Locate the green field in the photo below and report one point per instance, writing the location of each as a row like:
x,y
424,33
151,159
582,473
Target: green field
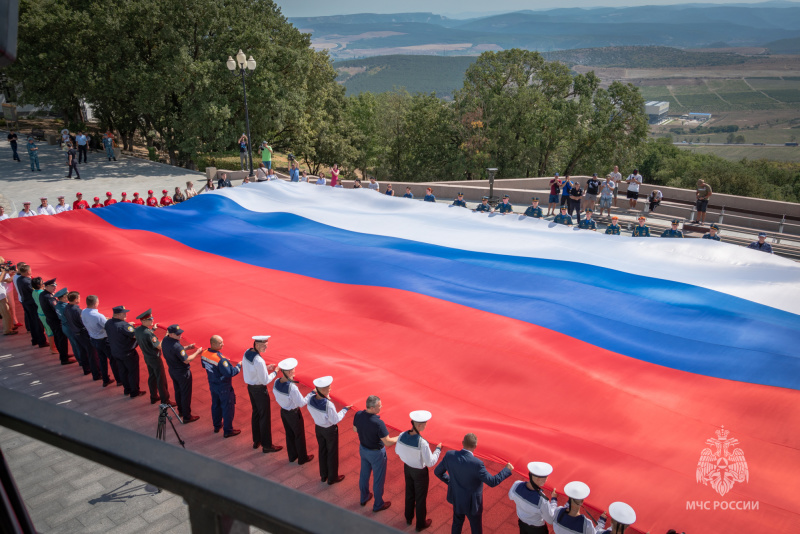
x,y
738,152
716,95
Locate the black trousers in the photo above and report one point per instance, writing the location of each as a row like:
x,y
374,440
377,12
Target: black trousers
x,y
81,152
34,324
260,420
157,379
60,339
128,367
90,356
105,359
525,528
182,384
328,441
574,205
295,435
72,167
417,482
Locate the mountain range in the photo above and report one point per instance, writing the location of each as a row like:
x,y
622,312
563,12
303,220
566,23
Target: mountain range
x,y
680,26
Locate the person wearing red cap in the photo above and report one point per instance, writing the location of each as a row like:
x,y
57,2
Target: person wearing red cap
x,y
97,203
80,204
109,200
151,200
125,197
166,200
137,200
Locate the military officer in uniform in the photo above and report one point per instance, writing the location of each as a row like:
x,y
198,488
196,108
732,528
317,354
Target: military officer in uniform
x,y
563,218
484,206
416,455
61,306
588,223
673,232
533,508
290,400
48,303
534,210
223,399
257,375
712,233
151,352
122,339
178,364
459,201
568,519
326,428
613,228
622,516
641,230
505,206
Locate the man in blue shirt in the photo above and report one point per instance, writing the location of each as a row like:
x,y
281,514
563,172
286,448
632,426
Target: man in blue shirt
x,y
83,143
534,210
566,189
712,233
563,218
294,173
588,223
408,194
459,201
373,439
505,206
429,195
484,205
761,244
33,154
673,232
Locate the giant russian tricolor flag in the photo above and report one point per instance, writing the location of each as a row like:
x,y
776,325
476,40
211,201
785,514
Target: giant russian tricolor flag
x,y
617,360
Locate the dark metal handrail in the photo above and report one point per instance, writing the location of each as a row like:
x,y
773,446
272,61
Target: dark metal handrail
x,y
221,498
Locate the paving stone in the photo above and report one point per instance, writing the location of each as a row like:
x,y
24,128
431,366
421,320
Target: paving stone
x,y
136,524
162,509
163,524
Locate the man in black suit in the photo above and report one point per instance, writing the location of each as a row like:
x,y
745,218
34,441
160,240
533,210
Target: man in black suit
x,y
465,476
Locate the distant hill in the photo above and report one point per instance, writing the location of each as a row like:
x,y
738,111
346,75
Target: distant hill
x,y
417,74
647,57
678,26
784,46
444,75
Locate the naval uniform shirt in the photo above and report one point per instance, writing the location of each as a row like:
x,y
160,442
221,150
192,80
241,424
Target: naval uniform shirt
x,y
287,395
532,508
323,412
415,452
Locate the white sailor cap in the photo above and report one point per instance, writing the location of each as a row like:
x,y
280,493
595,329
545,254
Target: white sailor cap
x,y
323,381
622,513
420,416
261,338
576,490
288,364
540,469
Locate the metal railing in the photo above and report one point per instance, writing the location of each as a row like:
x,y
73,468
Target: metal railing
x,y
221,498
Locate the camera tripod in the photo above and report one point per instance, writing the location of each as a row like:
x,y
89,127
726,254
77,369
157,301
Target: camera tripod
x,y
163,417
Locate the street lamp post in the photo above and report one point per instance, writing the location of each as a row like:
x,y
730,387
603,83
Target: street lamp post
x,y
245,67
491,172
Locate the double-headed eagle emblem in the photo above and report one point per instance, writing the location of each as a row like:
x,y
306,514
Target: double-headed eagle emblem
x,y
723,465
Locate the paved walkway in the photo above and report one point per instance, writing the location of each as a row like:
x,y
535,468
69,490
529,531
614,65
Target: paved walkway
x,y
129,174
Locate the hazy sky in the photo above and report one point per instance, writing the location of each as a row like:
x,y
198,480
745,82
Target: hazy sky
x,y
312,8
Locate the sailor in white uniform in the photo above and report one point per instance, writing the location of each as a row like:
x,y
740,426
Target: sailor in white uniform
x,y
257,375
291,400
568,518
61,207
533,508
326,428
417,457
45,208
622,516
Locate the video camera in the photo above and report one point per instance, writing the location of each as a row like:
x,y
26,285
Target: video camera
x,y
8,266
291,157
